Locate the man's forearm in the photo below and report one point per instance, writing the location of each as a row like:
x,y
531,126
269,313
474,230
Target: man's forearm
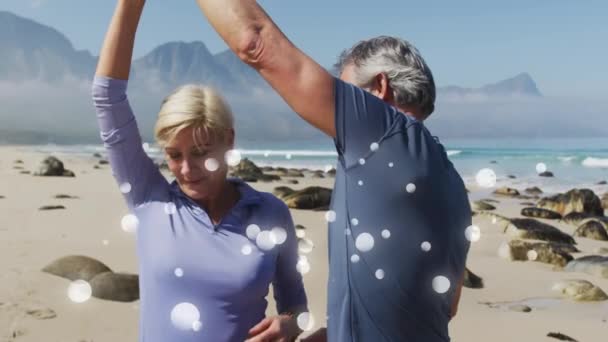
x,y
117,51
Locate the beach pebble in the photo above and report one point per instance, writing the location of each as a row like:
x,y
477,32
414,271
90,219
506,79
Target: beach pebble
x,y
471,280
596,265
527,228
64,196
579,290
541,213
576,200
75,267
561,337
553,253
533,190
482,205
546,174
51,207
520,308
41,313
506,191
309,198
593,229
52,166
119,287
282,191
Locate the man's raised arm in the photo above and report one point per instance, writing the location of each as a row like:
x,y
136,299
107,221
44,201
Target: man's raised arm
x,y
306,86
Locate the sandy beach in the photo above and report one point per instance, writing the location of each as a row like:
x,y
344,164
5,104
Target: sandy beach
x,y
34,306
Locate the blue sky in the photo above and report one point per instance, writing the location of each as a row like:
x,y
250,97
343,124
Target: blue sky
x,y
561,43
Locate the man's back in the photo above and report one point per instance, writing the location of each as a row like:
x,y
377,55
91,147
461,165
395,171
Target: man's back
x,y
397,247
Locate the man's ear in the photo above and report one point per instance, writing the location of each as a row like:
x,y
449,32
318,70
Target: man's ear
x,y
381,88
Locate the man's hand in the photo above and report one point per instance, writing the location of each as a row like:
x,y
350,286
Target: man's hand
x,y
318,336
282,328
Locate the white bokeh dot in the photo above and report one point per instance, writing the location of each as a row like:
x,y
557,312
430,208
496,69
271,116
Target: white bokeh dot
x,y
347,231
441,284
129,223
267,154
360,182
472,233
532,255
504,251
305,321
362,161
354,221
79,291
233,157
354,258
246,249
300,233
288,156
278,235
486,178
386,233
252,231
170,208
179,272
184,315
330,216
105,242
364,242
265,241
494,220
411,188
374,147
212,165
380,274
391,164
303,266
425,246
125,187
305,245
197,325
541,167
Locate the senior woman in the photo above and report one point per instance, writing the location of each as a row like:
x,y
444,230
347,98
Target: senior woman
x,y
208,247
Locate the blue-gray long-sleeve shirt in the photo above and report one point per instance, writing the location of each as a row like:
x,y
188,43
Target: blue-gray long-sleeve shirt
x,y
198,282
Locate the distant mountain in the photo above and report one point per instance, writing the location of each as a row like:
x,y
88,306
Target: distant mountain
x,y
31,51
520,85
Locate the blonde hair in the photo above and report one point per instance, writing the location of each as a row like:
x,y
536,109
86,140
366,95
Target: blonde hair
x,y
196,106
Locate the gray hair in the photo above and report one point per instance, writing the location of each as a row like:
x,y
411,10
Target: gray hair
x,y
407,72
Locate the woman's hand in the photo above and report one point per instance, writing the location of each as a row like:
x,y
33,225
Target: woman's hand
x,y
281,328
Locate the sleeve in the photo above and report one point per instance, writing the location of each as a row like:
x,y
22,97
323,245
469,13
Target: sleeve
x,y
288,287
134,171
361,119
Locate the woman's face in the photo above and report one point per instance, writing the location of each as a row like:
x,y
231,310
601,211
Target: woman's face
x,y
200,169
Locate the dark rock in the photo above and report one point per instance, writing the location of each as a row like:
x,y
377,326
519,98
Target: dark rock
x,y
490,200
103,162
493,162
1,197
528,204
269,178
120,287
561,337
76,267
267,169
533,190
552,253
602,182
540,213
52,166
299,226
579,200
318,174
292,181
97,155
51,207
481,205
96,167
309,198
25,172
593,229
590,264
18,161
546,174
471,280
526,228
331,172
294,173
505,191
322,208
580,290
511,177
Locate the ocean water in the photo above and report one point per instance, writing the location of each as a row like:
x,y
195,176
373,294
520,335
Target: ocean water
x,y
580,163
